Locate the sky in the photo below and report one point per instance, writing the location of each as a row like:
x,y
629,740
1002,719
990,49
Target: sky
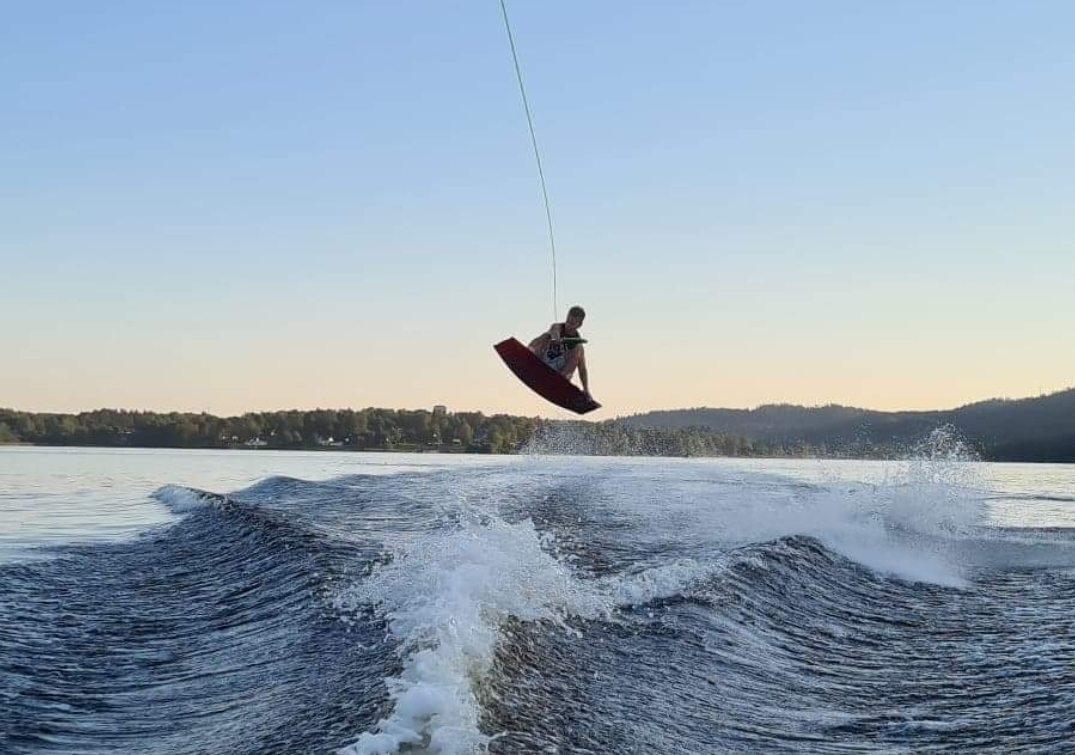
x,y
242,206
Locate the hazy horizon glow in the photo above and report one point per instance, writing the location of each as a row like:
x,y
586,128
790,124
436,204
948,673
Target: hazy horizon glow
x,y
265,207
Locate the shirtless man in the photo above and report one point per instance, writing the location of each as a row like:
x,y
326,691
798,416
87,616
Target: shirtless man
x,y
561,347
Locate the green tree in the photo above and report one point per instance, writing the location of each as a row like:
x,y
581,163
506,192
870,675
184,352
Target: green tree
x,y
322,423
7,435
352,427
250,427
464,433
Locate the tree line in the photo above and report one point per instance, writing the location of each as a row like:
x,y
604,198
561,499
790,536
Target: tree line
x,y
1037,429
363,429
376,429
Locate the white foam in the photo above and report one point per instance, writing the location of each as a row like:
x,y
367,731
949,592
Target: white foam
x,y
912,520
181,500
908,561
445,598
657,583
908,531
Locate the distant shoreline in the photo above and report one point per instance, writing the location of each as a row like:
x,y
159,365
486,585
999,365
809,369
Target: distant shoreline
x,y
244,449
1036,430
248,449
433,452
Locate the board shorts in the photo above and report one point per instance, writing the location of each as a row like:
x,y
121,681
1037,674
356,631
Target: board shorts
x,y
555,361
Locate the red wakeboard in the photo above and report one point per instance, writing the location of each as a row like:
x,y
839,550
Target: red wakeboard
x,y
543,379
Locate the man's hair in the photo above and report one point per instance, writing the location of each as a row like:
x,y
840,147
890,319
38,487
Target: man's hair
x,y
577,311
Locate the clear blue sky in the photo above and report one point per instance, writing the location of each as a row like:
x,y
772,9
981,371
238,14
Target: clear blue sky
x,y
258,205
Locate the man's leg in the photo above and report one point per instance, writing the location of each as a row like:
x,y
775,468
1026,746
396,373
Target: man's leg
x,y
571,361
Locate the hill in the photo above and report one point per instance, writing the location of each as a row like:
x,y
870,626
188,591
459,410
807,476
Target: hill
x,y
1031,429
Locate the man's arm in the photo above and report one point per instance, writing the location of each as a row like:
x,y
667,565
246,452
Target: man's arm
x,y
540,344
